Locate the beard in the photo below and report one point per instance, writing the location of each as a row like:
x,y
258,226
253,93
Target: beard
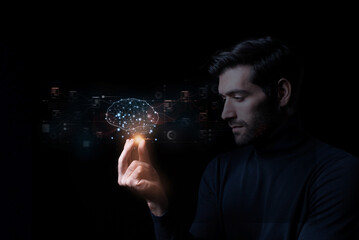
x,y
265,118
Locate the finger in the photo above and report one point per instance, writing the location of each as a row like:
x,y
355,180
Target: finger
x,y
125,157
133,176
134,153
135,172
143,152
148,189
131,168
130,183
139,170
142,186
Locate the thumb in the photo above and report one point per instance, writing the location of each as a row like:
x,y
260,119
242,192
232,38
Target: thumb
x,y
143,152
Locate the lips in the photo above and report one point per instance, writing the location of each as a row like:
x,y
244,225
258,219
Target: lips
x,y
236,129
236,126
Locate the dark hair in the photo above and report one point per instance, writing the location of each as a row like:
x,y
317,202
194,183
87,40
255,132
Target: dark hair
x,y
271,60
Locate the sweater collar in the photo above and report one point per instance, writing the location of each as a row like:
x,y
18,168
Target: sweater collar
x,y
282,139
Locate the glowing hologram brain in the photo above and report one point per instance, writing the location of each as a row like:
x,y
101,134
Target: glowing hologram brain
x,y
132,115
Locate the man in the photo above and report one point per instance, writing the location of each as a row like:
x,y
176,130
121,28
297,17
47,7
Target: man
x,y
280,183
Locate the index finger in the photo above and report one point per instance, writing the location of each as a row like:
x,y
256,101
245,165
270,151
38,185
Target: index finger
x,y
123,160
143,152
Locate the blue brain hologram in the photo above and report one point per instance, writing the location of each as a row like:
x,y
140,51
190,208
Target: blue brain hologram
x,y
132,115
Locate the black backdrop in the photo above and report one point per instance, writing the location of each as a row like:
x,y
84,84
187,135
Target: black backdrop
x,y
74,192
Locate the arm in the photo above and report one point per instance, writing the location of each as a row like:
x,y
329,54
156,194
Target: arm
x,y
207,223
143,179
334,208
140,176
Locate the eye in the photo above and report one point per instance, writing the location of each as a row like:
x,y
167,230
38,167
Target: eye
x,y
238,98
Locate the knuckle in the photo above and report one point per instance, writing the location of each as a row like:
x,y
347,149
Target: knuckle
x,y
121,182
140,168
138,182
133,164
131,182
127,182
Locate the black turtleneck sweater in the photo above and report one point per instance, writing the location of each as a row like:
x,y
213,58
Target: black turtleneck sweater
x,y
292,187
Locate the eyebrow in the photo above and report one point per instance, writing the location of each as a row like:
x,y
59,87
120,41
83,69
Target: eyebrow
x,y
236,91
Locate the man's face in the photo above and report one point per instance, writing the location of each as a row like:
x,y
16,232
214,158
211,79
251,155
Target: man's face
x,y
246,107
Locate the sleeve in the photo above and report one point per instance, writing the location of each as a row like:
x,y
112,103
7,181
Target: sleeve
x,y
166,228
334,203
206,222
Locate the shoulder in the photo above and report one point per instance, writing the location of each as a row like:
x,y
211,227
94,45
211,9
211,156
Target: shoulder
x,y
335,170
328,156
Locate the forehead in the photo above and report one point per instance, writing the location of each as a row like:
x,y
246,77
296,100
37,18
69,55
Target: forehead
x,y
236,78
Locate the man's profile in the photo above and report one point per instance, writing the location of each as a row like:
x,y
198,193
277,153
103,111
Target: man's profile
x,y
280,182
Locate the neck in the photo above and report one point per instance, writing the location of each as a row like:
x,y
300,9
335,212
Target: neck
x,y
281,136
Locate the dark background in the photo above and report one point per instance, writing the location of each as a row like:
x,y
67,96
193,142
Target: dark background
x,y
57,190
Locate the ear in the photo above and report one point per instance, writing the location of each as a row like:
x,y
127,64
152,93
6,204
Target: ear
x,y
284,92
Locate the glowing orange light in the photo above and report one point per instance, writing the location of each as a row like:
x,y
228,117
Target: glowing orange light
x,y
138,139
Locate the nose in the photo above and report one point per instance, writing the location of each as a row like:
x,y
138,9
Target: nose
x,y
228,111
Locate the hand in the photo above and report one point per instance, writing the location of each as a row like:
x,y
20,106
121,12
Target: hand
x,y
140,176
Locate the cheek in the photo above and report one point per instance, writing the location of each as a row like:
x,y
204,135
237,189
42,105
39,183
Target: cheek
x,y
245,110
248,110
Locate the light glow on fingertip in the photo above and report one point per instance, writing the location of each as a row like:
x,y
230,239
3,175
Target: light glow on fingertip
x,y
138,139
